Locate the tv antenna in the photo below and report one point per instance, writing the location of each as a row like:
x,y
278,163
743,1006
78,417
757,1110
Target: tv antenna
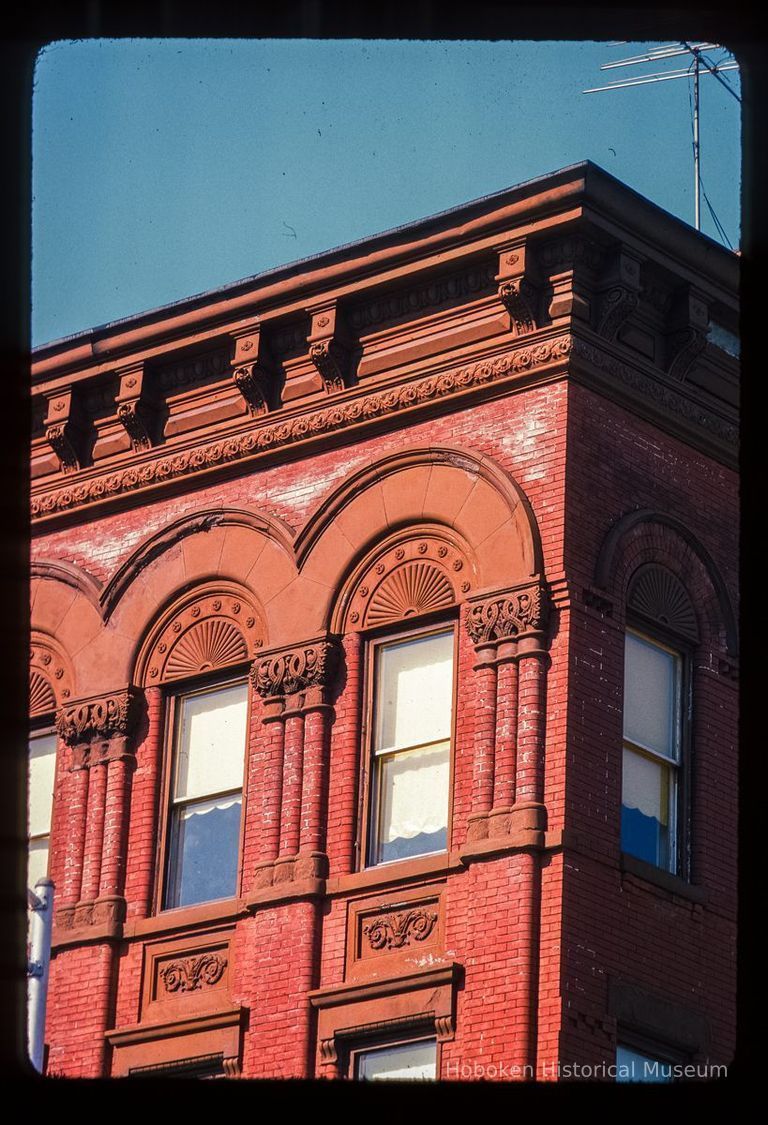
x,y
699,66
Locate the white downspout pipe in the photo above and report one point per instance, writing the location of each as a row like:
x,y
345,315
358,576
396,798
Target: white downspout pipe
x,y
38,967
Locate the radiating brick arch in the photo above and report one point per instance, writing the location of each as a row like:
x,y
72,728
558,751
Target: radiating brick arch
x,y
249,551
59,570
64,606
205,546
646,537
412,491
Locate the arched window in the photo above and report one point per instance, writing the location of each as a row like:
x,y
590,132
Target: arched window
x,y
660,636
50,686
412,685
199,653
205,769
404,597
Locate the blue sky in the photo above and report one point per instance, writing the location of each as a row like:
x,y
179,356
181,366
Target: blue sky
x,y
166,167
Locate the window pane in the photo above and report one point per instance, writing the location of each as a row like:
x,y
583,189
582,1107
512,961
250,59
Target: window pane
x,y
205,845
650,696
414,692
37,862
646,805
212,742
633,1066
409,1060
42,766
413,803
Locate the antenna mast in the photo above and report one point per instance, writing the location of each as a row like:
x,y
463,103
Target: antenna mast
x,y
696,69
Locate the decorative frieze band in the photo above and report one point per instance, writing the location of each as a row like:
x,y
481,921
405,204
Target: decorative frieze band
x,y
507,615
652,389
297,669
270,435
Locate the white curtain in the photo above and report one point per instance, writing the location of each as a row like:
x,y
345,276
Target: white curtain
x,y
415,692
42,768
650,696
645,786
212,742
409,1060
414,792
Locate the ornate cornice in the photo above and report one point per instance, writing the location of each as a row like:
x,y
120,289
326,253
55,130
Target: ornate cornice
x,y
472,283
653,390
297,669
507,615
270,433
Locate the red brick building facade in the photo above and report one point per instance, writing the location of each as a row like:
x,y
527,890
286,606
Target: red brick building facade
x,y
383,639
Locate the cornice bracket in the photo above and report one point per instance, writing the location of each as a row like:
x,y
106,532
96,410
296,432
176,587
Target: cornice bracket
x,y
252,369
620,294
518,287
330,347
687,328
136,407
64,429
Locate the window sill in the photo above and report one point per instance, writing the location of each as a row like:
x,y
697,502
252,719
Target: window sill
x,y
665,880
185,918
393,874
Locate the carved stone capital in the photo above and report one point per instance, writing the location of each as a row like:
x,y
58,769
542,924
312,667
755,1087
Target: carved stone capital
x,y
298,669
505,616
98,729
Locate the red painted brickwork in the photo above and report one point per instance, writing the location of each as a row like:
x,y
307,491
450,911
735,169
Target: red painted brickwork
x,y
489,908
531,940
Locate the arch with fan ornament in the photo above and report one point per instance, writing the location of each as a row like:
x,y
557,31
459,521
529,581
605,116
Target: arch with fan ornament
x,y
51,676
216,625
